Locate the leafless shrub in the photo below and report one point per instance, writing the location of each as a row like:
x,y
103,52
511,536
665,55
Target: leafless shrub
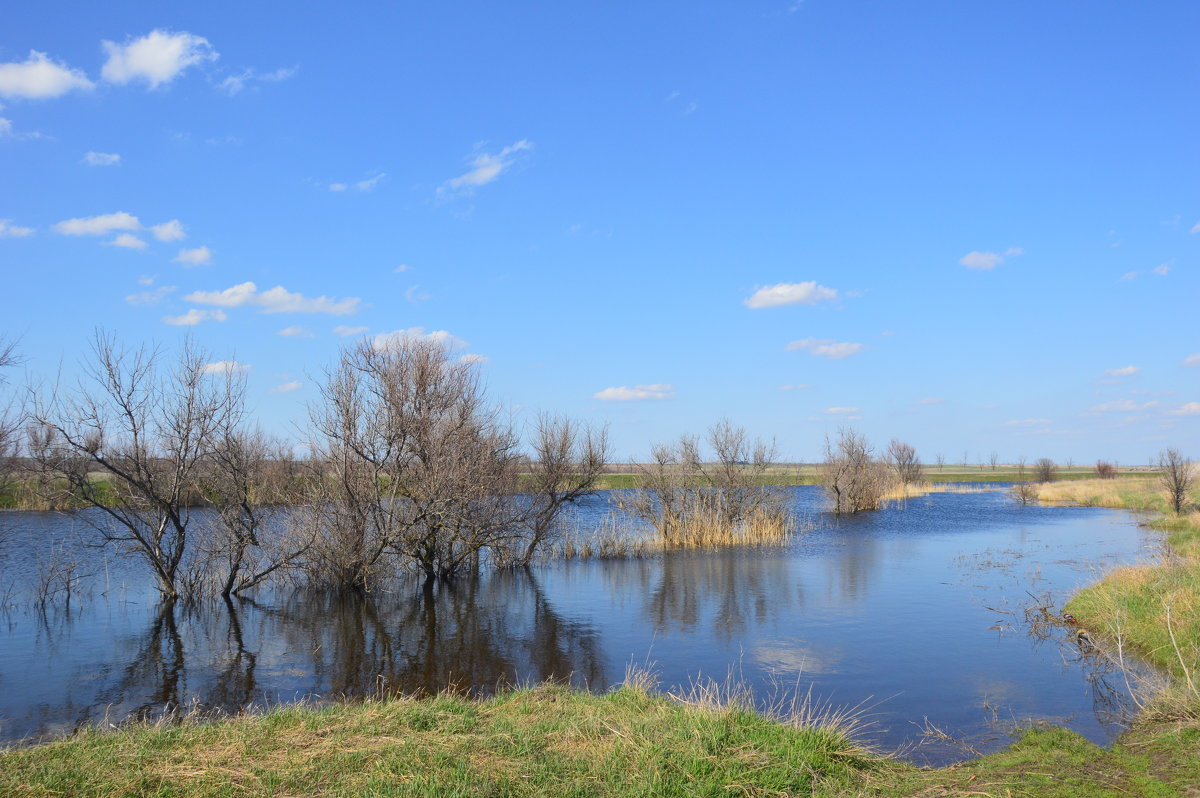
x,y
1025,492
1044,470
567,463
904,461
854,480
129,441
1021,467
690,502
59,573
1175,475
941,461
993,460
1105,470
416,464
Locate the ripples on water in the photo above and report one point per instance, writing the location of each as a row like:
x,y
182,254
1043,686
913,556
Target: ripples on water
x,y
889,610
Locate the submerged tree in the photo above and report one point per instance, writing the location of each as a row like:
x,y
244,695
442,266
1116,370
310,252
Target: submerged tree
x,y
129,440
416,464
567,462
854,479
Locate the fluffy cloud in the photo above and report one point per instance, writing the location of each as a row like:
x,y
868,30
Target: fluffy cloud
x,y
1122,372
1189,409
150,297
794,387
98,225
825,347
273,300
168,231
10,230
345,332
370,183
233,84
222,367
807,293
287,387
842,411
1195,228
398,337
200,256
101,159
295,331
485,168
1163,269
337,186
194,317
1192,360
128,241
981,260
625,393
473,359
157,58
38,77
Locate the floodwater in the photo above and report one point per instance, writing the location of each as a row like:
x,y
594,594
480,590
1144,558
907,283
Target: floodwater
x,y
913,615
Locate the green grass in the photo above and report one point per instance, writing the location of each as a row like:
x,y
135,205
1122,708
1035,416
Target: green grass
x,y
551,741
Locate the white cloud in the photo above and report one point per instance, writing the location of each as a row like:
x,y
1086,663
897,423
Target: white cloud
x,y
931,400
1013,252
38,77
1027,422
403,267
1195,228
233,84
337,186
157,58
224,367
295,331
1163,269
842,411
807,293
414,294
1122,372
1192,361
10,230
825,347
169,231
287,387
636,393
1189,409
128,241
345,332
981,260
370,183
102,159
474,359
150,297
146,280
794,387
485,168
397,337
200,256
273,300
98,225
195,316
1129,275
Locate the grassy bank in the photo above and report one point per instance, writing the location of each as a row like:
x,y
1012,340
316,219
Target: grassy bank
x,y
810,475
1153,608
551,741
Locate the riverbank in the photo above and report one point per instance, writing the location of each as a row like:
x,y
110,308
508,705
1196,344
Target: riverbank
x,y
552,741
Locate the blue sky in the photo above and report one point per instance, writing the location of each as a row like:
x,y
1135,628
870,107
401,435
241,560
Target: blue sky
x,y
972,226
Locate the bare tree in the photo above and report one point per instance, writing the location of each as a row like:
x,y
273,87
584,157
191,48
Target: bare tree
x,y
254,486
854,480
1105,470
941,461
1021,467
1044,470
418,465
10,425
993,459
1176,475
568,461
904,461
129,441
690,501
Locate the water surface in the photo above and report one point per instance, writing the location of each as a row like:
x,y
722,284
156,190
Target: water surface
x,y
914,614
